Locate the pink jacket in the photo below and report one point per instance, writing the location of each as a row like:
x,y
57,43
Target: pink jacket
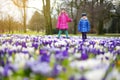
x,y
63,20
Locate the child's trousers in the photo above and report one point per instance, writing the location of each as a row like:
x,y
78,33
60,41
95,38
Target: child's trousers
x,y
60,32
84,36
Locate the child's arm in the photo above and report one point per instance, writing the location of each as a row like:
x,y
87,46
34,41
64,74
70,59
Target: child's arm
x,y
58,22
88,25
79,25
68,19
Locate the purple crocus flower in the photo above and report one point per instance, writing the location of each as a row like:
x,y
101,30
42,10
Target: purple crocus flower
x,y
56,70
35,45
82,78
1,52
29,64
25,52
41,68
72,78
64,69
102,43
25,78
59,57
84,55
65,53
2,63
24,44
10,52
45,58
6,71
43,51
17,43
13,67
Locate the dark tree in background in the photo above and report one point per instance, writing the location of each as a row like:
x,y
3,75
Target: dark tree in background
x,y
98,12
47,15
115,24
73,7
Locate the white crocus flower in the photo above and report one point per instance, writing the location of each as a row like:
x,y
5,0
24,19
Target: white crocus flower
x,y
1,69
95,74
22,64
77,55
31,50
91,46
109,55
99,57
71,50
31,59
19,47
98,46
63,48
117,47
24,49
114,74
10,72
86,43
26,56
29,44
10,59
56,44
70,58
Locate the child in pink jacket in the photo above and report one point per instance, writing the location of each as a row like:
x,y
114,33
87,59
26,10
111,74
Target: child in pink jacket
x,y
62,23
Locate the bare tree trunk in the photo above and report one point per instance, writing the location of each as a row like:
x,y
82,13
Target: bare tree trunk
x,y
22,6
46,10
100,27
49,16
101,21
24,17
9,25
74,18
92,17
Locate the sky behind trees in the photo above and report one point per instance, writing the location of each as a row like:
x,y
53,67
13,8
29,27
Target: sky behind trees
x,y
7,7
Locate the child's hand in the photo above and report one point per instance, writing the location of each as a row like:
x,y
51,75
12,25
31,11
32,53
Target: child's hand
x,y
70,20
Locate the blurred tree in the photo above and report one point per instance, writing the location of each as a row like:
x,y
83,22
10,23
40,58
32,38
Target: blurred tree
x,y
98,12
22,4
37,22
73,7
103,10
10,25
115,17
47,15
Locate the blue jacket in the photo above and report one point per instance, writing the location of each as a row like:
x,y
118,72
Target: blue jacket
x,y
84,25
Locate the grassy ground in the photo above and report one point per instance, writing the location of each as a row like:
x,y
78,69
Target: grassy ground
x,y
42,33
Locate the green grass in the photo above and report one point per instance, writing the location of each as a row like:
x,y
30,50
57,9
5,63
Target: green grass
x,y
28,33
79,34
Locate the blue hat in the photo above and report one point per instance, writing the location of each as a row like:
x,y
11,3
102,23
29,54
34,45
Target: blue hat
x,y
84,14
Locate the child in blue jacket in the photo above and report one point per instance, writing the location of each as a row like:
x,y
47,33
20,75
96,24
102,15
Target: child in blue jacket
x,y
84,26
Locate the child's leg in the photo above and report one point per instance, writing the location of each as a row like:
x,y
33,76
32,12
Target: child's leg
x,y
82,35
59,33
85,34
66,33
